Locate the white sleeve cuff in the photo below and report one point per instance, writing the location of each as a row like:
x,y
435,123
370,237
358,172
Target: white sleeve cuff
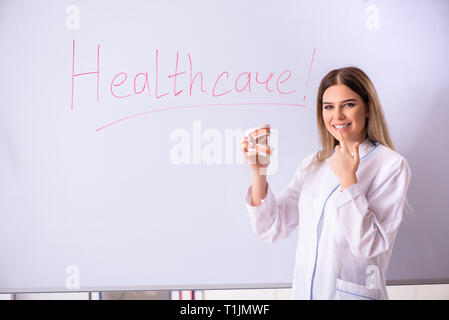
x,y
263,204
351,194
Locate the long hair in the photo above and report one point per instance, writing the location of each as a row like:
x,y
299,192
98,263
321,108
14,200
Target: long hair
x,y
376,126
359,82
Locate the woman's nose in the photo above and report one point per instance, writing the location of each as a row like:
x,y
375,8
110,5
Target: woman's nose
x,y
340,114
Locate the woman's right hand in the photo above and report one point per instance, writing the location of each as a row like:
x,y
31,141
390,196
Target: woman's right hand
x,y
257,163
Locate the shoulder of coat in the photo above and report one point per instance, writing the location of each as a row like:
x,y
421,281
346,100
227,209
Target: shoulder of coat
x,y
389,156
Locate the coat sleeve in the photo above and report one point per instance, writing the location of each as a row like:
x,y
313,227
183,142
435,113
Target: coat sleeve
x,y
370,224
276,217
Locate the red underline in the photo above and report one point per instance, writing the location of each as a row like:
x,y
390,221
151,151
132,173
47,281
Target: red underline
x,y
198,106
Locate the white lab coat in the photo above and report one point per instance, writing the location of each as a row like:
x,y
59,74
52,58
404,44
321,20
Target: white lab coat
x,y
345,239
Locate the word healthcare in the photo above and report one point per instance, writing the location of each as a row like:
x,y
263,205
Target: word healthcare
x,y
124,85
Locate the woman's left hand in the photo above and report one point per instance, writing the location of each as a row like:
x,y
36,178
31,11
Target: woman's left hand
x,y
344,164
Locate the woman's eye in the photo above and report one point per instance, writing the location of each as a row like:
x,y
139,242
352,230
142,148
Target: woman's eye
x,y
328,107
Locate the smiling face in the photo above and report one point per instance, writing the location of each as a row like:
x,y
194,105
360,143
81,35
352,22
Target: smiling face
x,y
344,112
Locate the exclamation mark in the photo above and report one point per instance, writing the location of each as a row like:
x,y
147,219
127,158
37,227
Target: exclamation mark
x,y
310,70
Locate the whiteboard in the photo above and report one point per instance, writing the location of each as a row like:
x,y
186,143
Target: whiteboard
x,y
120,125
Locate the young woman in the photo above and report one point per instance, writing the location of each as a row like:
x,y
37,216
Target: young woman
x,y
347,199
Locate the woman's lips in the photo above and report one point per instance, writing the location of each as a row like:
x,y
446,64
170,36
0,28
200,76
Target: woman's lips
x,y
340,129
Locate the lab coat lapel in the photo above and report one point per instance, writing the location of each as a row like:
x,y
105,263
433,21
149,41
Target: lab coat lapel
x,y
331,178
365,147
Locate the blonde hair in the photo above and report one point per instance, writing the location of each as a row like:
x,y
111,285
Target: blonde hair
x,y
359,82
